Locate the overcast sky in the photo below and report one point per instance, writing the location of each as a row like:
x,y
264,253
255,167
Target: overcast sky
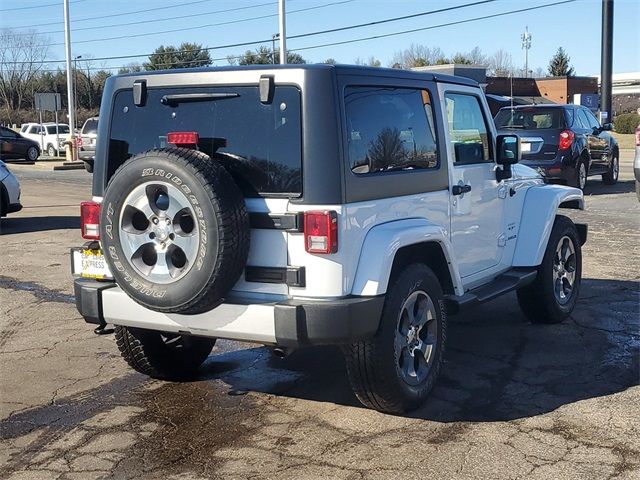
x,y
574,26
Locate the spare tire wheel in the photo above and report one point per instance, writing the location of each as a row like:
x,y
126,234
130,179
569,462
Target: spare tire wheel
x,y
175,230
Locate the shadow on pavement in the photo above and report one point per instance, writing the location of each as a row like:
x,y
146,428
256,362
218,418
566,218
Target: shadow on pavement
x,y
498,365
595,187
15,225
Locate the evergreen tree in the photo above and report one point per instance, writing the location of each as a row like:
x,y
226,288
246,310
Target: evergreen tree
x,y
187,55
559,64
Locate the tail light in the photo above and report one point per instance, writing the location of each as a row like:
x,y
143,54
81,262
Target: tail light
x,y
566,139
90,220
637,136
184,139
321,232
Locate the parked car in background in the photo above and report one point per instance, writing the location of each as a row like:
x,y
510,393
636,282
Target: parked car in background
x,y
50,138
14,146
9,191
565,143
636,163
87,143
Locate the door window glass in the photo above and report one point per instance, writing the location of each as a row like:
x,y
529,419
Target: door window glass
x,y
390,129
468,130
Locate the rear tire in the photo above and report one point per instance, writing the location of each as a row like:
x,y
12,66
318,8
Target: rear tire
x,y
580,180
162,355
611,177
552,296
51,151
395,371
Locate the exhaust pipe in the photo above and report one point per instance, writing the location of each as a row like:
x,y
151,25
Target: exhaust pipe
x,y
280,352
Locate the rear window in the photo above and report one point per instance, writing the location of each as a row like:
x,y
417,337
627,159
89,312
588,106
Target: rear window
x,y
90,127
51,129
260,144
530,118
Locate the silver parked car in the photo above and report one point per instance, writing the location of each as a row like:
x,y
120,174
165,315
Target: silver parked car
x,y
9,191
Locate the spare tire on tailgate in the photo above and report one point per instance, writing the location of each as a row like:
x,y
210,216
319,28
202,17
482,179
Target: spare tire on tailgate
x,y
175,230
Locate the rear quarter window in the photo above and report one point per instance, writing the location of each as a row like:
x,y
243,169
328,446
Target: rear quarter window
x,y
390,129
260,144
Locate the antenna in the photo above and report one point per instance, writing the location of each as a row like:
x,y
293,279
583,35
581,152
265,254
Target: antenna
x,y
526,45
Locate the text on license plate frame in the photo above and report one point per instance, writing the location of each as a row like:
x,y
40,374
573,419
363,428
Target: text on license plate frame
x,y
88,263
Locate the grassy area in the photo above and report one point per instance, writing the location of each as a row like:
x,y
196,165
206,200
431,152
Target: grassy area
x,y
625,140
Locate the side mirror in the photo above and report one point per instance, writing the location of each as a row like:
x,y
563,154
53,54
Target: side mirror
x,y
508,153
607,126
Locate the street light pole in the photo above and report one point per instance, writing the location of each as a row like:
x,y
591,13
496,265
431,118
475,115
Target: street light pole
x,y
283,33
70,100
606,62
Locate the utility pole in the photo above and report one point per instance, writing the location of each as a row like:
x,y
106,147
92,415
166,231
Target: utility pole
x,y
526,45
70,103
283,32
606,61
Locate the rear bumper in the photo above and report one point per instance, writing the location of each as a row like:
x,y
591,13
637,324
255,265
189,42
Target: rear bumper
x,y
561,168
293,323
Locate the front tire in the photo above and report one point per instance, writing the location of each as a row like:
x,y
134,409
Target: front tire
x,y
611,177
553,295
166,356
32,154
395,371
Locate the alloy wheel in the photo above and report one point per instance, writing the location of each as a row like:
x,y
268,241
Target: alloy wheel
x,y
158,232
564,270
416,338
582,176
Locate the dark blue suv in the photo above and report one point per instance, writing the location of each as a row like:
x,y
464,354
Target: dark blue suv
x,y
565,143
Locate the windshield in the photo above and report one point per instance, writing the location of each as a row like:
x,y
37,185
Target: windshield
x,y
260,144
530,118
91,126
51,129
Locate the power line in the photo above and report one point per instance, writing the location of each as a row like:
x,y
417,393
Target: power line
x,y
57,4
146,10
229,22
413,30
362,39
171,19
244,44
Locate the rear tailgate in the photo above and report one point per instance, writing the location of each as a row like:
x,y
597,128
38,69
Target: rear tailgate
x,y
541,144
537,126
259,143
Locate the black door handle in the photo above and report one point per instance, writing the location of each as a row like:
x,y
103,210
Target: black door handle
x,y
460,189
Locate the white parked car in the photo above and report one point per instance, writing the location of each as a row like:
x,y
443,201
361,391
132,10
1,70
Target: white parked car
x,y
315,204
50,138
9,191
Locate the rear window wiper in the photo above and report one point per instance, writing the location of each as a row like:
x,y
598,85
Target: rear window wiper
x,y
195,97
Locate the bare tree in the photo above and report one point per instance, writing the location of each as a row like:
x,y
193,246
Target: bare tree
x,y
501,64
21,60
417,56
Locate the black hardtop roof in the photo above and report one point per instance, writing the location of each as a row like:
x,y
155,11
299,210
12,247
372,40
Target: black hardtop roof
x,y
339,68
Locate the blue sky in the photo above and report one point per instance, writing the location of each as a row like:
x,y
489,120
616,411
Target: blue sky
x,y
574,26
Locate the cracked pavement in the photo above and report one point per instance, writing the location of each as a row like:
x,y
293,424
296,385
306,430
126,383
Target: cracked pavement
x,y
514,400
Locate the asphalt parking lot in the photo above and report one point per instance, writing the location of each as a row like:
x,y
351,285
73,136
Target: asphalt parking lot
x,y
514,400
